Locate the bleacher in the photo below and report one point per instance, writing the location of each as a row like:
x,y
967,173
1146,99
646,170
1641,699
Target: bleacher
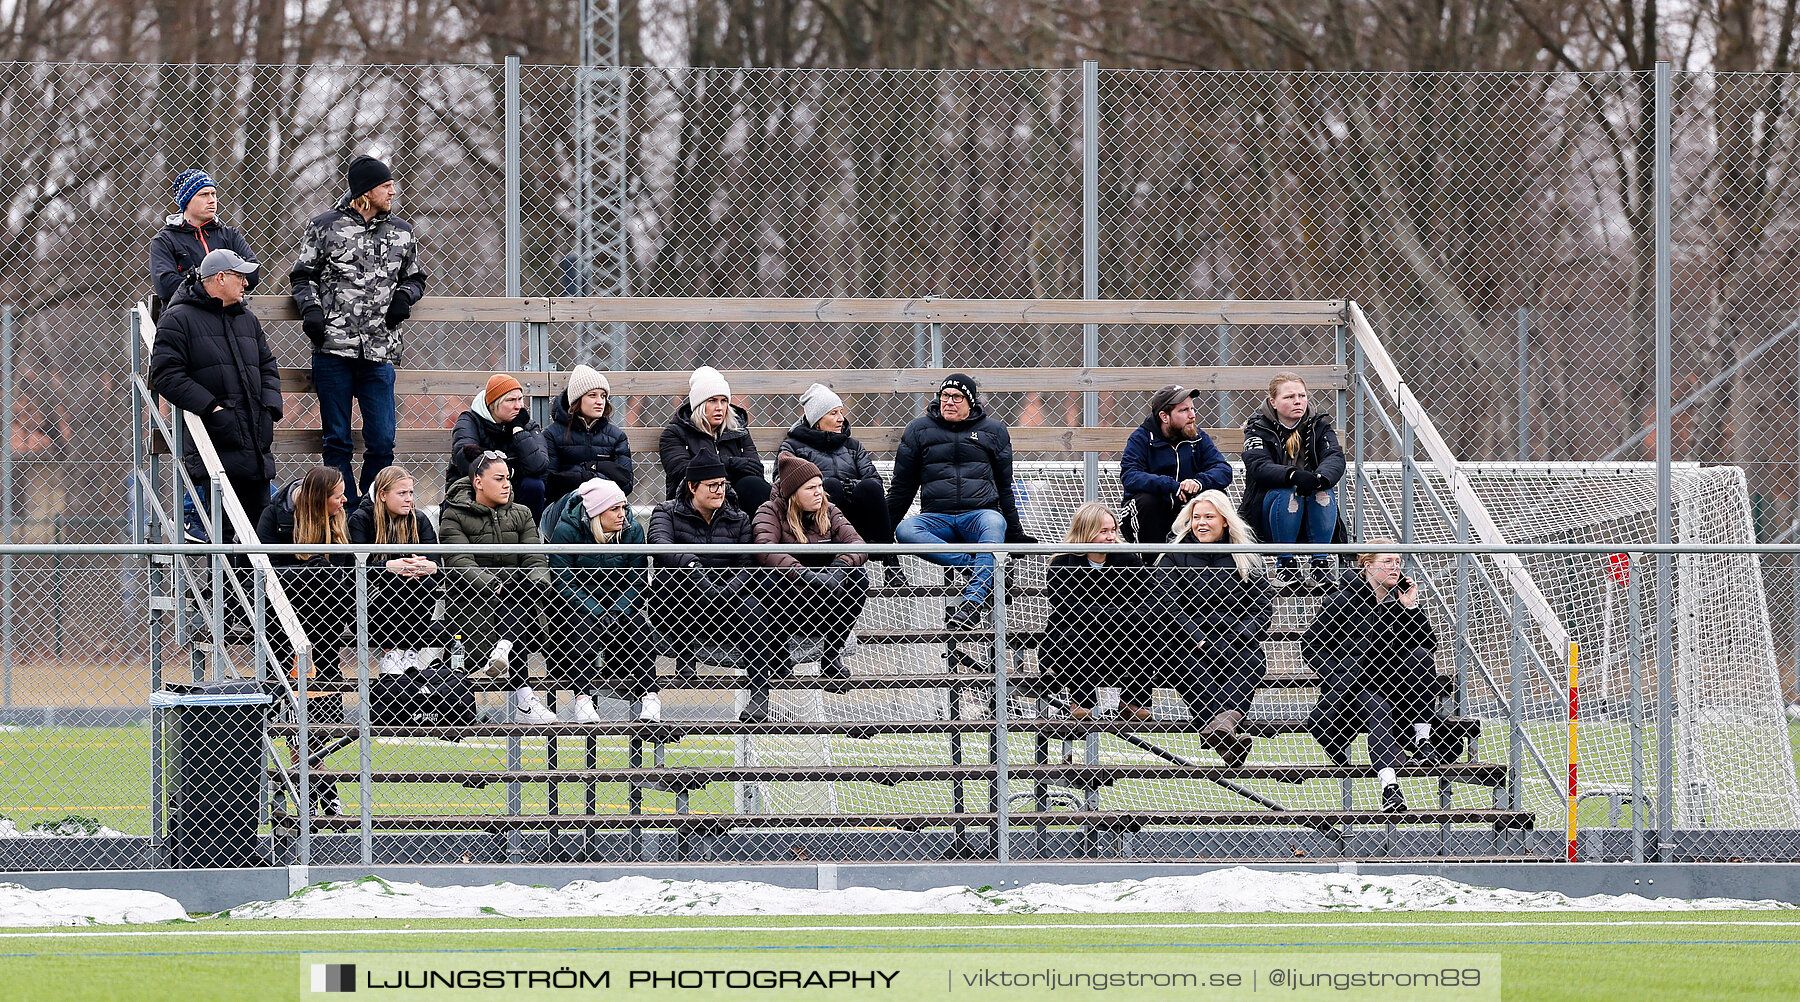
x,y
1065,771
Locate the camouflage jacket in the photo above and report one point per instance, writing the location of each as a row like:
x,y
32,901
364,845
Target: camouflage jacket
x,y
352,269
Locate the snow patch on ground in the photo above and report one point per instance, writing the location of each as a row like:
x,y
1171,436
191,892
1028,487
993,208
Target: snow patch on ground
x,y
22,906
72,827
1238,889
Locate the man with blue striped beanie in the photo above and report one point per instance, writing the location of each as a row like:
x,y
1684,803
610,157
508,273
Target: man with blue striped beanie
x,y
191,233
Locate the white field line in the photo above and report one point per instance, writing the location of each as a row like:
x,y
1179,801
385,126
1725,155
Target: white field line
x,y
1433,923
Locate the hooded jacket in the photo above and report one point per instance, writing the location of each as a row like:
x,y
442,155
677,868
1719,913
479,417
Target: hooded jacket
x,y
462,519
955,467
1151,464
837,454
682,442
211,355
352,269
770,529
1268,467
599,447
527,453
600,579
178,247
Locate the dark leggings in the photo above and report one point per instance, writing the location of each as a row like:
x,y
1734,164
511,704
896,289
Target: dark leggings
x,y
620,641
864,503
801,606
714,606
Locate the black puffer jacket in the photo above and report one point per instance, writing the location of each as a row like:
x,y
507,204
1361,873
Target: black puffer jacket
x,y
1268,467
600,448
682,442
528,455
210,355
361,525
837,454
955,467
676,522
276,527
1209,600
1352,629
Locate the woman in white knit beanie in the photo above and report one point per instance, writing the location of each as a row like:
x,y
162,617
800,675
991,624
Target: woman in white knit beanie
x,y
708,423
822,437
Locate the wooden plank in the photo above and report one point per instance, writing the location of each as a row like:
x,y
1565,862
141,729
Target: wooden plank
x,y
645,309
478,309
307,441
792,382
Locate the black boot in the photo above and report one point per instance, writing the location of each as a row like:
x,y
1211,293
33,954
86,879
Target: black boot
x,y
756,709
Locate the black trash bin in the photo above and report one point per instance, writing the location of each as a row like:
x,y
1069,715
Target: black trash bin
x,y
212,762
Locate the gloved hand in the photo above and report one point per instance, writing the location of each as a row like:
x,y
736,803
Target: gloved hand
x,y
1308,482
834,487
399,308
313,322
1017,534
470,453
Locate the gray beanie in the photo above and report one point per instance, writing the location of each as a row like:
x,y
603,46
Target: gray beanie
x,y
818,401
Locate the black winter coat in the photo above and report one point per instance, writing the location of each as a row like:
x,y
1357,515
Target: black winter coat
x,y
955,467
682,442
1268,467
837,454
210,355
1098,615
1208,601
178,248
1355,645
576,444
677,523
528,454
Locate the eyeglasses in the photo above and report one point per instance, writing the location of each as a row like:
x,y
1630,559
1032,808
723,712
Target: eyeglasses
x,y
715,486
948,395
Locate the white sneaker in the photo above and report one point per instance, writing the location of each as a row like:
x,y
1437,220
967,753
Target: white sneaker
x,y
1108,706
501,659
584,710
529,709
412,661
392,663
650,707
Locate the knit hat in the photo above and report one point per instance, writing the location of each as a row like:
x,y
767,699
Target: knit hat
x,y
188,185
818,401
599,494
584,379
499,385
792,473
705,384
704,468
962,383
366,172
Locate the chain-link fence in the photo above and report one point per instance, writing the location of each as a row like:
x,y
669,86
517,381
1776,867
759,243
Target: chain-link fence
x,y
1498,229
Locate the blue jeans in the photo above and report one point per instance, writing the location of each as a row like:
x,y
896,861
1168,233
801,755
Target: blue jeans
x,y
982,526
338,380
1295,518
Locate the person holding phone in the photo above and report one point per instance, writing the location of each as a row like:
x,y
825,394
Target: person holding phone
x,y
1375,652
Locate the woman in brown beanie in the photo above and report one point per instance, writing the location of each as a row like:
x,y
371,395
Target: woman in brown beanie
x,y
810,595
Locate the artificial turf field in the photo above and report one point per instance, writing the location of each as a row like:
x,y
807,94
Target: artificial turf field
x,y
1549,956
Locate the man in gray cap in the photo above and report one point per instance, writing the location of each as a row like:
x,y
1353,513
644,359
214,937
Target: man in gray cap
x,y
212,359
1167,461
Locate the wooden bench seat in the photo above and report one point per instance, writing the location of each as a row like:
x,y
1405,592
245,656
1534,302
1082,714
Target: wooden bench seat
x,y
1110,821
1076,775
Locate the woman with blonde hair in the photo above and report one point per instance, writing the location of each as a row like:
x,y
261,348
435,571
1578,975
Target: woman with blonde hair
x,y
1095,638
1221,605
1292,465
403,584
810,594
1375,652
604,642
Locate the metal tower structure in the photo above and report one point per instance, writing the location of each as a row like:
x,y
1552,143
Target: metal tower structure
x,y
602,248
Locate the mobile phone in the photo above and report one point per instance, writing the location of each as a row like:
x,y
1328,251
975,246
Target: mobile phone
x,y
1406,583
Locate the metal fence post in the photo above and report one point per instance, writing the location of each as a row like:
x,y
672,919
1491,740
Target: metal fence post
x,y
1090,258
302,671
1358,443
1462,615
216,613
1524,384
1665,494
1002,696
1635,673
364,758
6,504
1407,472
512,222
1515,744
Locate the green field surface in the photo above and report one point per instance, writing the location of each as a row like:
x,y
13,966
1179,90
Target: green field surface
x,y
1710,956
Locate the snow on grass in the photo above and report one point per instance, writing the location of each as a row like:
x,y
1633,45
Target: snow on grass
x,y
73,826
22,906
1238,889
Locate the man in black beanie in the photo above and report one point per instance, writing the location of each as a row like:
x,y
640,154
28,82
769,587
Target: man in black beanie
x,y
959,461
355,281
